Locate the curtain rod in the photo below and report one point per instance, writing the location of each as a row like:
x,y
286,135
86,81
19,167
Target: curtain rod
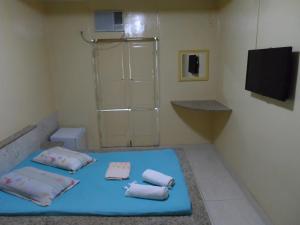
x,y
110,40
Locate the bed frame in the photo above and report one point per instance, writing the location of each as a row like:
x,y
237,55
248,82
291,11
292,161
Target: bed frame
x,y
18,146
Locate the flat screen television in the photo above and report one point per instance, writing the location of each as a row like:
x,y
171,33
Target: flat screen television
x,y
269,72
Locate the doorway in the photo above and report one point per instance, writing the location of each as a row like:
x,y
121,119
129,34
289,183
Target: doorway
x,y
127,92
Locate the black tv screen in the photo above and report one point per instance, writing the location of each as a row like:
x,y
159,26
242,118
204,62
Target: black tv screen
x,y
269,72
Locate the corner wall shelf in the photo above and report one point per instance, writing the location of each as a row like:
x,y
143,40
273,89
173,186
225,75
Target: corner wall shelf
x,y
202,105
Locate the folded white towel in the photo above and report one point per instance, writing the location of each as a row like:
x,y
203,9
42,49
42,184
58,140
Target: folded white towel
x,y
157,178
146,191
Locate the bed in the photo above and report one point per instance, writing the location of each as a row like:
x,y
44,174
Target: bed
x,y
83,206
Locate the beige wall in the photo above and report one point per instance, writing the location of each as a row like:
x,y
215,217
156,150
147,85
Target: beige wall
x,y
184,31
63,6
72,71
25,95
261,138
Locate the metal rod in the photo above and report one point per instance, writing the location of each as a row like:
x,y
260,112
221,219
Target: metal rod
x,y
141,39
111,40
92,41
127,109
112,110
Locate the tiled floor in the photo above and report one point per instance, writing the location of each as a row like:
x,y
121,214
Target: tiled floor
x,y
226,203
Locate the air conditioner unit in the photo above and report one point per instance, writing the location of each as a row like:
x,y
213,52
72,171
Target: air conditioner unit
x,y
109,21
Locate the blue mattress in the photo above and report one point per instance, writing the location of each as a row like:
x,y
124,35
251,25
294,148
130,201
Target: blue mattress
x,y
96,196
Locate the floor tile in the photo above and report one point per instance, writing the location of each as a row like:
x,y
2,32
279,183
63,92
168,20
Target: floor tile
x,y
233,212
226,203
220,188
214,181
205,163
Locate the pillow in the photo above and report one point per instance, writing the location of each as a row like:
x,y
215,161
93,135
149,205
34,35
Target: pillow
x,y
39,186
63,158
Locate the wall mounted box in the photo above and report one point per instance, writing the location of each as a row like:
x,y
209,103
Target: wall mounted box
x,y
73,138
108,21
193,65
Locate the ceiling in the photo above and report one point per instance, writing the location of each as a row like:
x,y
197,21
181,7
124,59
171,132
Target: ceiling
x,y
56,6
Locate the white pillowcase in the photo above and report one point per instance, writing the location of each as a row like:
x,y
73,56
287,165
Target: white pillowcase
x,y
36,185
63,158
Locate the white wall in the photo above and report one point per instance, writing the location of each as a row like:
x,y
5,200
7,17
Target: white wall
x,y
72,71
25,90
260,140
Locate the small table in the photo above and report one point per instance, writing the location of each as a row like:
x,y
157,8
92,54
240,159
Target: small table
x,y
203,105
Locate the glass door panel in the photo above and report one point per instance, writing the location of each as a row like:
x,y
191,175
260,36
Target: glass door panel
x,y
127,93
114,127
143,116
112,96
112,84
144,130
141,61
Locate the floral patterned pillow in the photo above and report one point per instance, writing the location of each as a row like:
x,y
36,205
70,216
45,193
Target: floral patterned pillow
x,y
39,186
63,158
